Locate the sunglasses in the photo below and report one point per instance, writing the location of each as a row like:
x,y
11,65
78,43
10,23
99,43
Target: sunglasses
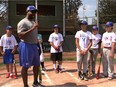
x,y
34,11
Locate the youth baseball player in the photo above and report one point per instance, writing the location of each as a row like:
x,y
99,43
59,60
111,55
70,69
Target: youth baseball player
x,y
83,43
56,40
107,46
8,46
41,55
93,51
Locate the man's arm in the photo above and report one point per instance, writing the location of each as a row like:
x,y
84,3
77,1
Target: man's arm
x,y
25,33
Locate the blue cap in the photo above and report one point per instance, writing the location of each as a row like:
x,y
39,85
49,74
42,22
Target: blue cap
x,y
56,26
39,36
84,23
94,28
31,8
9,27
109,24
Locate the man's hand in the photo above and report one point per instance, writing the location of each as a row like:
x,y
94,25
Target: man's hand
x,y
36,25
13,52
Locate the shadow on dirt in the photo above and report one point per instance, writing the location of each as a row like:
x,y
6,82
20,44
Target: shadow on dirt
x,y
67,85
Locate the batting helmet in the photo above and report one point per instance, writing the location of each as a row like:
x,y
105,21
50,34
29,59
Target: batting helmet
x,y
84,23
109,24
31,8
94,28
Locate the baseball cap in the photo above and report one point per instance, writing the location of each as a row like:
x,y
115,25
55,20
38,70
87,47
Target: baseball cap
x,y
9,27
31,8
84,23
94,28
56,26
109,24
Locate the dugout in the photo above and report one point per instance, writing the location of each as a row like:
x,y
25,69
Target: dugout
x,y
50,13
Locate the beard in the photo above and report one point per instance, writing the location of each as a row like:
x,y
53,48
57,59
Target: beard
x,y
31,17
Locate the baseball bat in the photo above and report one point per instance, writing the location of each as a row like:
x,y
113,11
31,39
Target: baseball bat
x,y
98,71
15,69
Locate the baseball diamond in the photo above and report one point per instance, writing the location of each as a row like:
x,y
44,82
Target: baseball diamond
x,y
50,79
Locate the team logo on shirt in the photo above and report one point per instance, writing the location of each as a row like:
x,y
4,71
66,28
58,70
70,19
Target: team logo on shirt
x,y
55,38
106,38
8,42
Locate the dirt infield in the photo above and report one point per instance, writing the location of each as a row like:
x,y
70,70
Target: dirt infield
x,y
51,79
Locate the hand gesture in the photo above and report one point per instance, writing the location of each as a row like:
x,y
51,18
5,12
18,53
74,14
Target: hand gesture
x,y
36,25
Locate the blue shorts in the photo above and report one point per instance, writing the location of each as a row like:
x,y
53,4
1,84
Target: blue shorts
x,y
28,55
8,57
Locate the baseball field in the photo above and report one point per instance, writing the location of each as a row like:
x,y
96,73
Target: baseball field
x,y
51,79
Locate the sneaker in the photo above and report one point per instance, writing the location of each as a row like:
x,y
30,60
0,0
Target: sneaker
x,y
110,78
44,69
93,73
37,85
43,72
60,70
104,76
85,77
56,70
80,75
7,75
13,76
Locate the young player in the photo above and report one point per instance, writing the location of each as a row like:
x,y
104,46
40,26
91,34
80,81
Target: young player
x,y
56,40
41,49
83,43
93,51
8,46
107,48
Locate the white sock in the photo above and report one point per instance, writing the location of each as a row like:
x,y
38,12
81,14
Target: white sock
x,y
54,66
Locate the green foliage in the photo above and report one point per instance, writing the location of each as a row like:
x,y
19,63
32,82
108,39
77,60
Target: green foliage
x,y
107,10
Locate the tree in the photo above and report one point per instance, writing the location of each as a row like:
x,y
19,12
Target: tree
x,y
107,10
3,10
71,12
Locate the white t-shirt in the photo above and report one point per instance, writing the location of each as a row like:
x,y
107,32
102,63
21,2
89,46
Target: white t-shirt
x,y
56,39
108,38
84,39
8,42
95,40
